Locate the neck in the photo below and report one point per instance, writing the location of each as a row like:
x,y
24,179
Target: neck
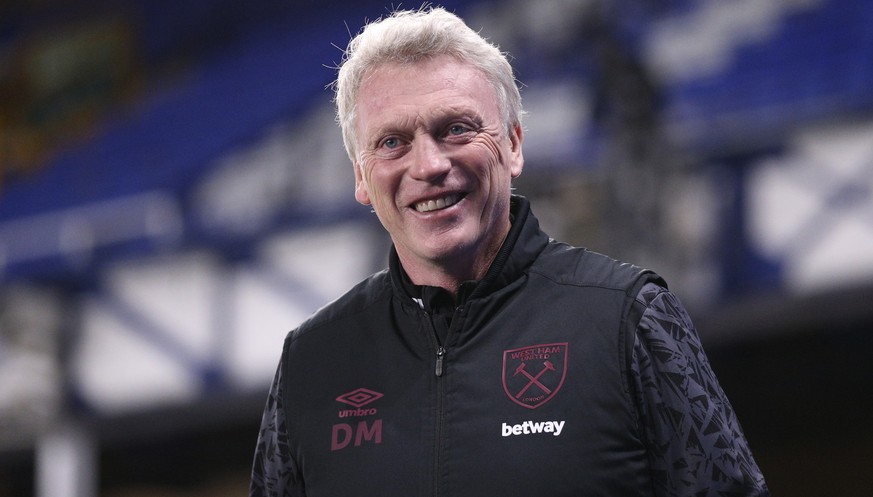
x,y
449,274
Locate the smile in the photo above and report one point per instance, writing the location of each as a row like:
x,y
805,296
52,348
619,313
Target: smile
x,y
440,203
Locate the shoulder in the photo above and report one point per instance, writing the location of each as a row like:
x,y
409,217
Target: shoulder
x,y
357,300
569,265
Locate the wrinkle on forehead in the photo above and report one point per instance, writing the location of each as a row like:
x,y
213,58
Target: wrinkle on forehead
x,y
379,106
435,64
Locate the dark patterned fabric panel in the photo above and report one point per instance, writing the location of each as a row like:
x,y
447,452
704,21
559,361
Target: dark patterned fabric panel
x,y
695,442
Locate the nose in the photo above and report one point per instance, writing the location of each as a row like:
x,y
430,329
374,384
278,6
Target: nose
x,y
430,161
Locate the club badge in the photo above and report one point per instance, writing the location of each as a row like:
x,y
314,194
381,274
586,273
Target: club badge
x,y
533,375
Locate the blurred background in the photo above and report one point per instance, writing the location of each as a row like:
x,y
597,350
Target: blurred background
x,y
174,197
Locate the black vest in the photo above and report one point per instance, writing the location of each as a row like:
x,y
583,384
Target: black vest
x,y
527,396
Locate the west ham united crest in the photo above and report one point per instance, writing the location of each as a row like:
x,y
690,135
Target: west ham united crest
x,y
533,375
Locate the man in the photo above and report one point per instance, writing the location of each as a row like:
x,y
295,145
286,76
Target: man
x,y
487,360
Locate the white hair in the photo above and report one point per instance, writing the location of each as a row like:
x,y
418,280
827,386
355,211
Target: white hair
x,y
411,36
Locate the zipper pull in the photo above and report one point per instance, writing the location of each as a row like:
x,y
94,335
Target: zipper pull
x,y
441,353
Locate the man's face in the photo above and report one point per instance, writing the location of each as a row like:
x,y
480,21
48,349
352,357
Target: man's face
x,y
435,161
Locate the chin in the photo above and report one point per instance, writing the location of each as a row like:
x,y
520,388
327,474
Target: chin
x,y
451,250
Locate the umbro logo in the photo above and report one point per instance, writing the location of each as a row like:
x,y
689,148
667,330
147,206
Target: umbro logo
x,y
359,397
364,431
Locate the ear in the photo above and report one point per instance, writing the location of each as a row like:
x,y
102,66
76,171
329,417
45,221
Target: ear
x,y
516,157
361,193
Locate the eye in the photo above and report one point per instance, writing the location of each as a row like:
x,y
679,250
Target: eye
x,y
390,143
458,129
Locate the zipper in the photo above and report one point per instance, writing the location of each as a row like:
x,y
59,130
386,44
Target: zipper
x,y
438,419
440,357
439,371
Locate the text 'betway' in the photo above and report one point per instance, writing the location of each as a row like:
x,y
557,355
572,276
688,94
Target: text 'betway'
x,y
532,427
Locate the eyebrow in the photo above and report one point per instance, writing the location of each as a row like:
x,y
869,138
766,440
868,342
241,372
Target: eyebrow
x,y
436,120
443,117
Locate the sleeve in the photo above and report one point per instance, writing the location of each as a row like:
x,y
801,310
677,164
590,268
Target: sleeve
x,y
694,441
274,472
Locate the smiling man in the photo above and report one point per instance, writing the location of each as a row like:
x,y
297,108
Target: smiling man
x,y
436,162
487,359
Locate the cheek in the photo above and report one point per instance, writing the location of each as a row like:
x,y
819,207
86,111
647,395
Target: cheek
x,y
380,181
365,171
490,155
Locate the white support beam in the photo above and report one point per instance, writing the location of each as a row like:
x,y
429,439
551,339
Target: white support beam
x,y
66,462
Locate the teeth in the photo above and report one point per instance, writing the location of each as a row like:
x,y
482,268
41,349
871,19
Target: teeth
x,y
432,205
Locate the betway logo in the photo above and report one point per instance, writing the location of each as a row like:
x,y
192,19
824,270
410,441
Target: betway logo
x,y
532,427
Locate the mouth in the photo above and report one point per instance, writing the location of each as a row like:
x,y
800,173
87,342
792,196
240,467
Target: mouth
x,y
438,204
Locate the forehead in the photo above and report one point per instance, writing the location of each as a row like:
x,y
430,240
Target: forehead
x,y
433,85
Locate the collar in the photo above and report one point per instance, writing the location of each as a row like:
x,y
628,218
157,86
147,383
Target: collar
x,y
523,243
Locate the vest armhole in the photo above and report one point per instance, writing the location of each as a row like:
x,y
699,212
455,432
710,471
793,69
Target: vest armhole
x,y
632,314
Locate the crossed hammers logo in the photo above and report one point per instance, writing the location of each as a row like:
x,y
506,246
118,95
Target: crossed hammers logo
x,y
534,380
